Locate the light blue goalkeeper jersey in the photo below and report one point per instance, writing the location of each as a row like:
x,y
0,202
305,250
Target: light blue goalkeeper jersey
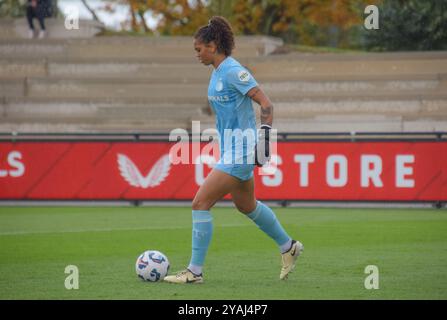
x,y
227,91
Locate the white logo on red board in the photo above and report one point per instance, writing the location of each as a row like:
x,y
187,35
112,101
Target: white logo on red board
x,y
130,172
16,166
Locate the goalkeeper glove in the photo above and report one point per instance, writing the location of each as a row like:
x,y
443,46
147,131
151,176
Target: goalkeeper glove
x,y
262,148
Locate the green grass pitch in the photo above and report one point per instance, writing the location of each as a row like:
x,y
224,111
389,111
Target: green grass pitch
x,y
409,247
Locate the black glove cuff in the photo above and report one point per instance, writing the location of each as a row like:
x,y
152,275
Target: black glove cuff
x,y
265,128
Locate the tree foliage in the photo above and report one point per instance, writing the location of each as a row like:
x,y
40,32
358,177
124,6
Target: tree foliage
x,y
179,17
404,24
175,17
310,22
410,25
307,21
12,8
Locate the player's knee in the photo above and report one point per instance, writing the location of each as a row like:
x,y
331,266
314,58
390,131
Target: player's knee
x,y
245,209
201,204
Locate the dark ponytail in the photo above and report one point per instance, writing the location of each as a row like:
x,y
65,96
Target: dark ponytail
x,y
219,31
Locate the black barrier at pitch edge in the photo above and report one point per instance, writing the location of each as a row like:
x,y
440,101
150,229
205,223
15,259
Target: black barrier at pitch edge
x,y
281,136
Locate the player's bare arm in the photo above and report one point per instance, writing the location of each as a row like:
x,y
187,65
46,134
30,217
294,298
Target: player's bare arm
x,y
258,96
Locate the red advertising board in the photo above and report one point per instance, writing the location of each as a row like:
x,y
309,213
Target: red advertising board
x,y
361,171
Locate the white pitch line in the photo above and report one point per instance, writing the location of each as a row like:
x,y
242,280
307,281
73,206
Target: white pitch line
x,y
11,233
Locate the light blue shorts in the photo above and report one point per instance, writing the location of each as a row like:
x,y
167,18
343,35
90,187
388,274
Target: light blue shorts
x,y
241,171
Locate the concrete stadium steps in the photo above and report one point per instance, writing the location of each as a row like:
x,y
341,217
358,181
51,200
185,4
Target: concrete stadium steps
x,y
102,88
363,115
360,56
403,114
264,70
372,123
349,123
97,111
147,68
160,92
166,89
403,107
336,88
293,66
85,118
176,73
153,126
12,87
95,117
18,28
300,108
79,69
156,84
125,48
13,69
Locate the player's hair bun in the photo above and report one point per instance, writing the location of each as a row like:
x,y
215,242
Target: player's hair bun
x,y
218,30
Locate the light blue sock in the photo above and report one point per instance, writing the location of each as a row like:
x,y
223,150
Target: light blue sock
x,y
202,231
266,220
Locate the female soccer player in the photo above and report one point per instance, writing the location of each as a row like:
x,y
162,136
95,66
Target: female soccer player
x,y
230,93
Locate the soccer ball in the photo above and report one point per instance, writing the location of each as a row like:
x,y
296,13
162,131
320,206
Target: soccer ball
x,y
152,266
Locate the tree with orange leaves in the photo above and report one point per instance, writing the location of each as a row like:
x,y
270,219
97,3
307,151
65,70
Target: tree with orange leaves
x,y
175,17
179,17
309,21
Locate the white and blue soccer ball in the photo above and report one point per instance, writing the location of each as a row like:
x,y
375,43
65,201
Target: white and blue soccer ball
x,y
152,266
